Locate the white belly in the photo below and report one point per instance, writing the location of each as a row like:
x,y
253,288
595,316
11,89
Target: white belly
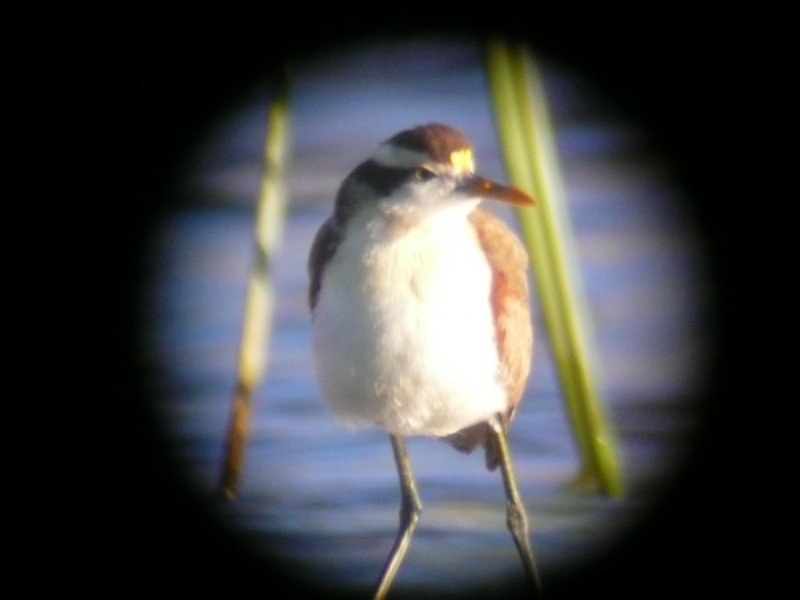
x,y
403,331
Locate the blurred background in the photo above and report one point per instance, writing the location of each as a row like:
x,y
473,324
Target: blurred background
x,y
319,503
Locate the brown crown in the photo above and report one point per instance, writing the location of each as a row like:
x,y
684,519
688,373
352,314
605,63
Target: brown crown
x,y
437,140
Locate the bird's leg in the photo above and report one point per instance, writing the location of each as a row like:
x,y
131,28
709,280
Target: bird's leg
x,y
516,519
410,509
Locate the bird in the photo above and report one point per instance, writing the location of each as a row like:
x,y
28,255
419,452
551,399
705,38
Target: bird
x,y
420,313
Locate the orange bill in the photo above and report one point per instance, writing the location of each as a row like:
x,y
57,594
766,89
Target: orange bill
x,y
486,188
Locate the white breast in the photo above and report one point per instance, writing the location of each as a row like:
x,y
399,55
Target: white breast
x,y
403,331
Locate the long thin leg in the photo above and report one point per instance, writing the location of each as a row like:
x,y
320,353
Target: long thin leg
x,y
516,519
410,509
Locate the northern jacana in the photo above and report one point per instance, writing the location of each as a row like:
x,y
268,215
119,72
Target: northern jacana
x,y
420,309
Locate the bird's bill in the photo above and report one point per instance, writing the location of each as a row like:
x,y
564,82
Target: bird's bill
x,y
485,188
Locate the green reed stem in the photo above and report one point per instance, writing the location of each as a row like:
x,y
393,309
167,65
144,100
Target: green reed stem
x,y
526,136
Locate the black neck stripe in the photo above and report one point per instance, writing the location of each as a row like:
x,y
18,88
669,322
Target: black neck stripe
x,y
381,179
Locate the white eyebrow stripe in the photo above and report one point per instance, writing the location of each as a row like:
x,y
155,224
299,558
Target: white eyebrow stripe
x,y
389,155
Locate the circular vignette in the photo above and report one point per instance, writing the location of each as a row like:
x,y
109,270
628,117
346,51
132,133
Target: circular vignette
x,y
168,519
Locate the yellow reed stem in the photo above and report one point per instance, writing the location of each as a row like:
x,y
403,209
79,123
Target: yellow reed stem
x,y
256,328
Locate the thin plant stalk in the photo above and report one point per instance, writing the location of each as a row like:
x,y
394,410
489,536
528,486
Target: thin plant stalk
x,y
531,158
259,303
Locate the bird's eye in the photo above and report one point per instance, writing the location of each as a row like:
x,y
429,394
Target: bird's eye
x,y
424,174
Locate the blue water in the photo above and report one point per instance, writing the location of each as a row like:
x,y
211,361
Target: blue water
x,y
327,497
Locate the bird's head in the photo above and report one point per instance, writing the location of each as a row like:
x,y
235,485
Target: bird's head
x,y
421,171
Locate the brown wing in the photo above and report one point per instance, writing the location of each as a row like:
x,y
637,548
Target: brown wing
x,y
322,250
511,304
510,301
